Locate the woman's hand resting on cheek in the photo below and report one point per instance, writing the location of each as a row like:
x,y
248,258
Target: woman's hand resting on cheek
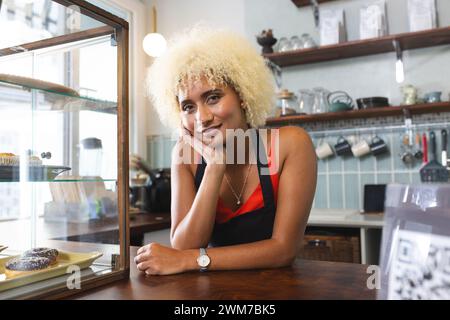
x,y
156,259
210,148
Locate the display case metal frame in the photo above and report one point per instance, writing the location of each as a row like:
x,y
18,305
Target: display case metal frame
x,y
119,30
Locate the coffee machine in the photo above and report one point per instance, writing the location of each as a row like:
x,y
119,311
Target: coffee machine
x,y
150,192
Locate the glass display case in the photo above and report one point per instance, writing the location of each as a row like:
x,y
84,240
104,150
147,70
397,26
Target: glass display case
x,y
63,148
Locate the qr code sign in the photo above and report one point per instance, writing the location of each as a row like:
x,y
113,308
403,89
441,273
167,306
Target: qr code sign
x,y
420,267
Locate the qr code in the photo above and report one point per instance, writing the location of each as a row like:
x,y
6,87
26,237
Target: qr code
x,y
420,267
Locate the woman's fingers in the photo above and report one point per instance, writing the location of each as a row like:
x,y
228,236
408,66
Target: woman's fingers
x,y
198,145
142,257
143,248
143,266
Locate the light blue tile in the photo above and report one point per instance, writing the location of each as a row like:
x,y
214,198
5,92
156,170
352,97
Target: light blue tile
x,y
320,198
383,162
366,179
336,191
367,163
396,151
350,163
351,191
335,164
416,178
152,153
416,165
321,165
168,145
159,153
402,178
384,178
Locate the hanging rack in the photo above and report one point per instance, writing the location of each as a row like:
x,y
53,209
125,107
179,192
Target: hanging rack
x,y
374,130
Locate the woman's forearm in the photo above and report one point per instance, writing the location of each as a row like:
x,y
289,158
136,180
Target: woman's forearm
x,y
195,230
269,253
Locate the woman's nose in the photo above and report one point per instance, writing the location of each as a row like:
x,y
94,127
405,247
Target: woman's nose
x,y
204,115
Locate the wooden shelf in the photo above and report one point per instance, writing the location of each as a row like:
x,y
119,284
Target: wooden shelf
x,y
360,114
305,3
358,48
58,40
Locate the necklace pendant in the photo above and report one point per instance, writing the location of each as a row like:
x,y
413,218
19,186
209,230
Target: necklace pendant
x,y
238,202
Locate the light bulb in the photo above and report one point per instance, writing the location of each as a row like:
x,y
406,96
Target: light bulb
x,y
154,44
399,72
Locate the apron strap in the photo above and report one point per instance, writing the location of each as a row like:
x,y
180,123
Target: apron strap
x,y
266,182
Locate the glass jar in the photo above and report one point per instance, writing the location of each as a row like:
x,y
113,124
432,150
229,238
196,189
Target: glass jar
x,y
308,41
320,100
91,157
296,43
284,45
305,101
287,103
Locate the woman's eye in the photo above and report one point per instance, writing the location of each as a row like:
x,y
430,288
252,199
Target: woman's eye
x,y
212,99
187,107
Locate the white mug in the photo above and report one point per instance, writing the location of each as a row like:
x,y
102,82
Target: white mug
x,y
361,148
352,139
324,150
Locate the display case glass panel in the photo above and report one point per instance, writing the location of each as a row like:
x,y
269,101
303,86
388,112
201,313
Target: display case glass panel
x,y
63,150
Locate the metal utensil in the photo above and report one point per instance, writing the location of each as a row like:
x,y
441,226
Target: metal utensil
x,y
433,171
3,248
425,148
444,147
407,156
418,154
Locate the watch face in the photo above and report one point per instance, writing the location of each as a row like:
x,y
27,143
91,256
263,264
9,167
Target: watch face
x,y
203,261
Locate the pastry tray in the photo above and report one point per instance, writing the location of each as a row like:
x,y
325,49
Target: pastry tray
x,y
36,173
64,260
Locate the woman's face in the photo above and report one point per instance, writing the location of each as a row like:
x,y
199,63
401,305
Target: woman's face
x,y
205,109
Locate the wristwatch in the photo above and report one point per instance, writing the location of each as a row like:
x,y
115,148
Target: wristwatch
x,y
203,260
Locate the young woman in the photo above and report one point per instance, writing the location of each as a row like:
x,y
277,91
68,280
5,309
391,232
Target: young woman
x,y
227,214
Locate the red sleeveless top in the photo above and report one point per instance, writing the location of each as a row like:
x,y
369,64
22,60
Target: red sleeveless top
x,y
255,201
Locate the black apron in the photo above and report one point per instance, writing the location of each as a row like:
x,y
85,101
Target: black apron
x,y
251,226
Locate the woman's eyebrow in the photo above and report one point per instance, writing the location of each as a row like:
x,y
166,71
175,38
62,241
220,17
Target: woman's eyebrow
x,y
203,95
207,93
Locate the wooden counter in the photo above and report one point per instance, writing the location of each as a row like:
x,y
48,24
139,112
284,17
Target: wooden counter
x,y
304,280
102,231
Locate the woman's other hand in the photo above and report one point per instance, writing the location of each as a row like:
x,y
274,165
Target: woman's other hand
x,y
156,259
137,163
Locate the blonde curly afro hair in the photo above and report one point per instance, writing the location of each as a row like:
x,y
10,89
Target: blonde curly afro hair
x,y
222,58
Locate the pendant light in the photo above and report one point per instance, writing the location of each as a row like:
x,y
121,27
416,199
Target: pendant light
x,y
154,44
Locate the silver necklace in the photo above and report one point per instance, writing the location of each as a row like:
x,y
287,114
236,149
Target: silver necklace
x,y
238,198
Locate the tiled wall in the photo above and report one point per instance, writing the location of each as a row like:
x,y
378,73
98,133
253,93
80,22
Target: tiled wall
x,y
341,180
159,148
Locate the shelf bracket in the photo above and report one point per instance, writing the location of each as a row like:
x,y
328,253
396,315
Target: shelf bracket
x,y
398,49
315,7
114,38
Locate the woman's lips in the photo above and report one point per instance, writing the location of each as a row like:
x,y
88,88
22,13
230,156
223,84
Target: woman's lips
x,y
212,131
